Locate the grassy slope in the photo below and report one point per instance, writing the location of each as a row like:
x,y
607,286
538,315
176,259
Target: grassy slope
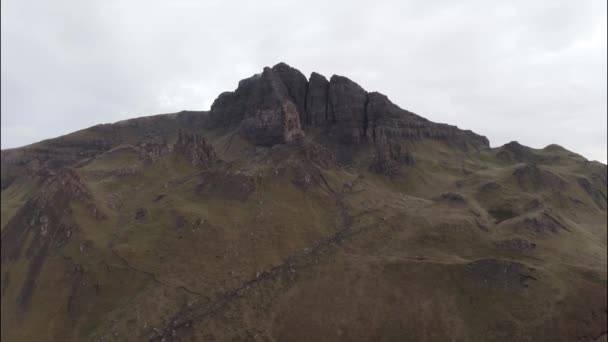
x,y
383,259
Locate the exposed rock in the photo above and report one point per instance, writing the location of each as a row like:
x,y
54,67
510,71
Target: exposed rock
x,y
516,244
597,193
271,108
225,185
386,118
500,274
261,108
296,84
140,213
68,150
534,177
543,223
515,152
502,213
490,187
318,154
346,110
316,100
159,197
453,197
195,148
389,157
152,150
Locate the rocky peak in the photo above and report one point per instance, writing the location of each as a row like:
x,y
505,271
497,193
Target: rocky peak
x,y
277,106
296,84
195,148
261,108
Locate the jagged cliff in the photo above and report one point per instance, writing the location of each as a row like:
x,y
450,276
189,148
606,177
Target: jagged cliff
x,y
277,105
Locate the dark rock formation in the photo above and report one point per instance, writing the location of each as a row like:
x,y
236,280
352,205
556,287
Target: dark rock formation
x,y
261,108
543,223
390,157
514,151
316,100
68,150
317,154
195,148
225,185
296,84
347,110
597,192
140,213
273,107
386,118
534,177
500,274
152,150
453,197
516,244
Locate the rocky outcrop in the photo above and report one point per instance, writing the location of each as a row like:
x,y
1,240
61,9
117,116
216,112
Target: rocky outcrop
x,y
515,152
296,84
195,148
71,149
533,177
261,108
389,157
515,244
500,274
152,150
347,103
317,154
595,188
386,118
226,185
316,100
276,106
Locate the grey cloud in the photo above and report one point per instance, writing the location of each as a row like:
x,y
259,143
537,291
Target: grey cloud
x,y
512,70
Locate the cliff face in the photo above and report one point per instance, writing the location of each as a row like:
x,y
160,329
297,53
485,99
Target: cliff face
x,y
278,105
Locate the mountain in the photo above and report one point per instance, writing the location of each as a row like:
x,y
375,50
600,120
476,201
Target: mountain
x,y
300,209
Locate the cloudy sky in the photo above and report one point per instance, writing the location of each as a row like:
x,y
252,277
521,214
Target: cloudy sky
x,y
531,71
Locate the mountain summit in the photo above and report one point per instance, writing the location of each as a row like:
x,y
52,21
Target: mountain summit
x,y
278,105
300,209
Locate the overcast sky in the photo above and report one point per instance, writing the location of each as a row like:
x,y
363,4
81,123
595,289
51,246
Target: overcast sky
x,y
531,71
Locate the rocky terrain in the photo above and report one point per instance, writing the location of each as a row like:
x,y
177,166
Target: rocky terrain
x,y
300,209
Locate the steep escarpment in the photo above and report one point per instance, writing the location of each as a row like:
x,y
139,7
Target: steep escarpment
x,y
279,104
261,108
